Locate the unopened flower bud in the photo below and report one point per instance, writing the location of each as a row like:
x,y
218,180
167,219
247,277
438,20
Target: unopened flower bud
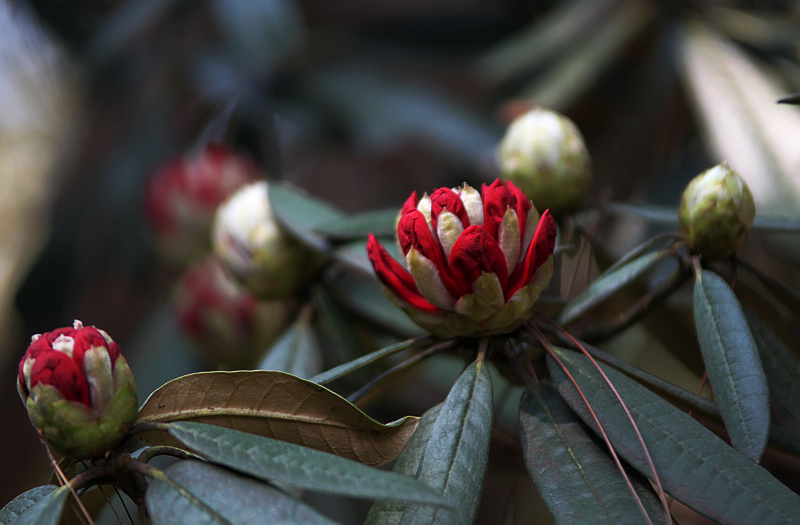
x,y
544,154
717,211
256,250
475,263
183,194
78,390
228,323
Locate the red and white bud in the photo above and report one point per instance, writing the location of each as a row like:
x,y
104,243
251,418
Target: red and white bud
x,y
78,390
228,323
475,263
182,196
256,250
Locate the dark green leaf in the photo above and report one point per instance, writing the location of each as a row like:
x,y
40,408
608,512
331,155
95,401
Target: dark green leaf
x,y
337,332
38,506
300,213
358,226
296,351
455,456
781,365
733,364
407,464
653,213
227,497
579,481
694,465
608,283
346,368
298,466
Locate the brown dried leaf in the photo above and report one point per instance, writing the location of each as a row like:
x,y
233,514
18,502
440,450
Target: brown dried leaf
x,y
277,405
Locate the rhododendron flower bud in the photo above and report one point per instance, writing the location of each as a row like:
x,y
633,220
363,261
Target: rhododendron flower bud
x,y
230,324
78,390
183,194
543,153
256,250
717,211
476,262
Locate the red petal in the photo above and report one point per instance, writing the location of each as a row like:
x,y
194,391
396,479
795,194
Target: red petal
x,y
523,206
542,246
395,277
413,230
86,338
447,199
497,198
57,369
474,253
410,204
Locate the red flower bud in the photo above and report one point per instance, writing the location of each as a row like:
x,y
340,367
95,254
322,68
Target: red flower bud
x,y
78,390
476,262
183,194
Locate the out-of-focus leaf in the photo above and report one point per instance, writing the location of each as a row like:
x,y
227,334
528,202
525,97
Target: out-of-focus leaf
x,y
296,351
545,39
38,506
608,283
358,226
364,297
273,460
781,365
793,98
579,482
196,492
407,464
381,111
735,98
455,455
23,502
695,466
346,368
733,364
277,405
301,213
575,73
651,212
337,332
777,224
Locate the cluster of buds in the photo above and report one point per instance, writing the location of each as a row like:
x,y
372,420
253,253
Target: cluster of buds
x,y
476,262
78,390
230,324
182,196
543,153
716,213
256,250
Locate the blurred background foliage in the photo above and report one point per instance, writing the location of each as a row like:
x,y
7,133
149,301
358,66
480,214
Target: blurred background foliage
x,y
361,103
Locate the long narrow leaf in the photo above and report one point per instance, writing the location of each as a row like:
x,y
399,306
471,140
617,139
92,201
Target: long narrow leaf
x,y
193,492
608,283
298,466
734,368
296,352
455,456
342,370
38,506
578,480
694,465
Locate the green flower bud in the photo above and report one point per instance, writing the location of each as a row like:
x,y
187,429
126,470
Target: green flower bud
x,y
544,154
717,211
256,250
78,390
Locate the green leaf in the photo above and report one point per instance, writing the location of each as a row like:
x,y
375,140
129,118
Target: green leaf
x,y
337,332
198,493
694,465
456,453
607,284
346,368
300,213
272,460
734,368
37,506
579,481
278,405
359,226
407,464
296,351
781,365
